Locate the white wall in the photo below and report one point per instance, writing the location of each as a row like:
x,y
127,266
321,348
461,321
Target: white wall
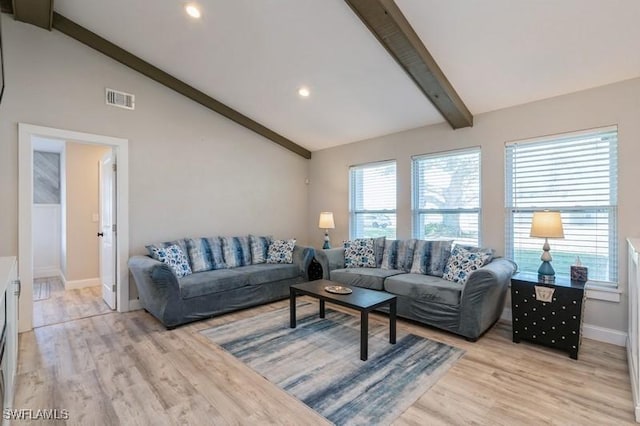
x,y
614,104
192,172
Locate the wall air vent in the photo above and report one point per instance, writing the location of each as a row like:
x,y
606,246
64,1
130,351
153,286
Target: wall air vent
x,y
120,99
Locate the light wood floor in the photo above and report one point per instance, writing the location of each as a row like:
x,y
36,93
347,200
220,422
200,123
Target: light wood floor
x,y
127,369
53,304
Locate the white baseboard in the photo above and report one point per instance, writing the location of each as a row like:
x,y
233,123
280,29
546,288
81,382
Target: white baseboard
x,y
134,305
76,284
46,272
589,331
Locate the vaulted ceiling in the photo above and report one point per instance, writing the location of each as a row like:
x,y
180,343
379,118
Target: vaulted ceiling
x,y
254,55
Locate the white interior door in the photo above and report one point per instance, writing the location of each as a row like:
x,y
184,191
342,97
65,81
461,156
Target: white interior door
x,y
107,233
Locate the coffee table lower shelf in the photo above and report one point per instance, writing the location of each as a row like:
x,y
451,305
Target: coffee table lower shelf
x,y
362,300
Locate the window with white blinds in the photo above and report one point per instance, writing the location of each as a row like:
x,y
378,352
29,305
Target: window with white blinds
x,y
372,207
446,196
577,175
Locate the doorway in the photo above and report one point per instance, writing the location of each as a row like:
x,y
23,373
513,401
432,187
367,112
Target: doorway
x,y
28,138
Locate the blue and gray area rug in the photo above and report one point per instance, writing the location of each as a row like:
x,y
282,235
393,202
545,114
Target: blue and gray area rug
x,y
319,362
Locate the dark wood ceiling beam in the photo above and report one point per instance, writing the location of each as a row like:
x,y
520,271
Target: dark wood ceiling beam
x,y
35,12
391,28
109,49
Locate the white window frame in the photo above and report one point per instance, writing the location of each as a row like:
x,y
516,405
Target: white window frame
x,y
415,189
511,207
353,212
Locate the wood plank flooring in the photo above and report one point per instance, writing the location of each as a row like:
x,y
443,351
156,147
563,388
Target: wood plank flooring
x,y
53,304
127,369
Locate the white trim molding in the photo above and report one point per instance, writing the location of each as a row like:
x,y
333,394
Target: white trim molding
x,y
589,331
598,292
76,284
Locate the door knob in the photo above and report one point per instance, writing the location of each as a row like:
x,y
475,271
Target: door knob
x,y
100,234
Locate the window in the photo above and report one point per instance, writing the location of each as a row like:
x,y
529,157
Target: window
x,y
372,208
446,196
575,174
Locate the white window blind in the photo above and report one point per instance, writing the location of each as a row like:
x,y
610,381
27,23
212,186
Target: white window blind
x,y
446,196
372,208
575,174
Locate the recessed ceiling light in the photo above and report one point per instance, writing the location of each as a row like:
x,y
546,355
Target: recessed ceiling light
x,y
193,10
304,92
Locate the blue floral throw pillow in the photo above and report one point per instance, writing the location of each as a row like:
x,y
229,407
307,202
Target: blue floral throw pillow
x,y
175,258
360,253
281,251
463,262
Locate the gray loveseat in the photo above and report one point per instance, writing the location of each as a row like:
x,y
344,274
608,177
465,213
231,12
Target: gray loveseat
x,y
467,309
177,300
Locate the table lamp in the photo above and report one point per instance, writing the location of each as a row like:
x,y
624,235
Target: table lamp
x,y
326,223
546,225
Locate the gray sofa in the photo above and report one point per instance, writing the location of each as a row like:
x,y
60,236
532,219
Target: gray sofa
x,y
175,301
467,309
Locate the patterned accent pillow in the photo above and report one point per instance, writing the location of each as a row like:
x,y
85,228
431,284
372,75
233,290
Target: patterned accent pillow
x,y
199,254
281,251
237,251
216,256
205,254
378,248
180,243
430,257
398,254
359,253
175,258
259,248
462,263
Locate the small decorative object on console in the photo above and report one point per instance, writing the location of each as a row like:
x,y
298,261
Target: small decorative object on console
x,y
579,272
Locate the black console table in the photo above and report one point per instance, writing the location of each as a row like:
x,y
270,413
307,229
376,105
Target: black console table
x,y
555,322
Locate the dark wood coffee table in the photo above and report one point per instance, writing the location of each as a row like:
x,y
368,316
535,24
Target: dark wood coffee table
x,y
362,299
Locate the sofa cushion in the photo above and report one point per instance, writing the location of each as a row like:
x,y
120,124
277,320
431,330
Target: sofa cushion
x,y
216,256
463,262
237,251
398,254
372,278
359,253
180,243
175,258
424,288
281,251
259,248
266,272
209,282
430,257
378,248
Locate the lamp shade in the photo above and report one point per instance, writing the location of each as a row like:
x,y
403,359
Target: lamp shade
x,y
547,225
326,220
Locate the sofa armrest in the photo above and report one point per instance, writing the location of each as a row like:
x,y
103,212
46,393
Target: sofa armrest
x,y
330,259
302,257
483,297
158,288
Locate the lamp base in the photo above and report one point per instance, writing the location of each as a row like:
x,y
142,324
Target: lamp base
x,y
546,274
327,244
